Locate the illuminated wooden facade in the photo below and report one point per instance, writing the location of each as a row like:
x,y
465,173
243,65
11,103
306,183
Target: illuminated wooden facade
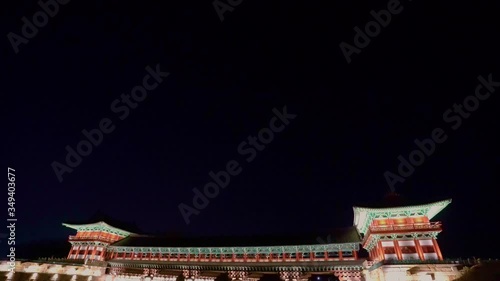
x,y
400,233
92,240
261,254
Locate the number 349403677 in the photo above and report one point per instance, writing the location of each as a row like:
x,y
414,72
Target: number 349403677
x,y
11,188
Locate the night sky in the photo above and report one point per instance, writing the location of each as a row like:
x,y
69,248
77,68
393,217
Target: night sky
x,y
348,122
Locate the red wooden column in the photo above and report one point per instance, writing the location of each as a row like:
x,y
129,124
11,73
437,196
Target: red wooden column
x,y
341,257
381,251
436,249
355,253
419,250
78,251
93,253
398,250
102,254
86,251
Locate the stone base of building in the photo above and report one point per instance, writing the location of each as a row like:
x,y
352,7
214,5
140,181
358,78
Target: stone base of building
x,y
65,270
415,272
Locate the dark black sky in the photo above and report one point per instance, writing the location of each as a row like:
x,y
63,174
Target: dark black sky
x,y
353,120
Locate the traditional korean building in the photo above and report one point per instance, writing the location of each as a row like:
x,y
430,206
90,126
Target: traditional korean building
x,y
401,242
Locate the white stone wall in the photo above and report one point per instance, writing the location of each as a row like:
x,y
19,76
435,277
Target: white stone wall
x,y
52,271
424,272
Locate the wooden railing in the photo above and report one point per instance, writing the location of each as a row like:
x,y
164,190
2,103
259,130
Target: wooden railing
x,y
466,262
415,226
87,238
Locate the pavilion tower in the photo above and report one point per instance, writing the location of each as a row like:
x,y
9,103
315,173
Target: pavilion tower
x,y
91,240
402,232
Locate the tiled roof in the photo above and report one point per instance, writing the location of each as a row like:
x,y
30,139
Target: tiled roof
x,y
336,236
100,216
